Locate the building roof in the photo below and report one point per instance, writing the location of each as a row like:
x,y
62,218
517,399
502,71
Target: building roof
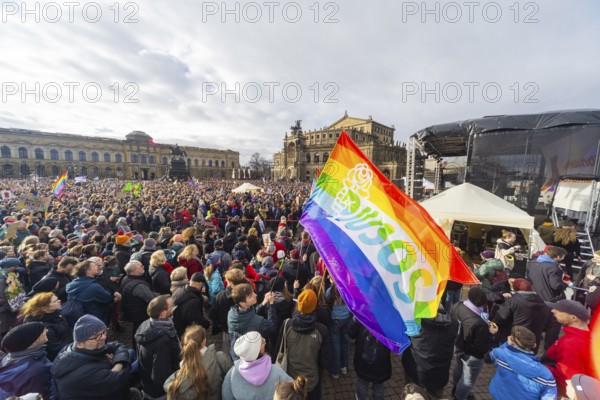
x,y
449,140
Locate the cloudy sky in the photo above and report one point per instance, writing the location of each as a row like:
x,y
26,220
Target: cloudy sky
x,y
236,75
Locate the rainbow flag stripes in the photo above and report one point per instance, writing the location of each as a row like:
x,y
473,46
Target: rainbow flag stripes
x,y
59,185
388,257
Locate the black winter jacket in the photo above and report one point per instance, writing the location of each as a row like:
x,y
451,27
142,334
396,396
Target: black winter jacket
x,y
37,270
86,374
546,279
293,270
427,360
525,309
59,333
474,337
158,354
372,360
161,280
189,309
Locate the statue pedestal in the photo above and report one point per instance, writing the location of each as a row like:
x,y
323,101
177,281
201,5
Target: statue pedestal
x,y
178,169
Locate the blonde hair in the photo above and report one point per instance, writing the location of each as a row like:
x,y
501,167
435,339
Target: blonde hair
x,y
192,369
296,390
188,233
189,252
36,306
158,259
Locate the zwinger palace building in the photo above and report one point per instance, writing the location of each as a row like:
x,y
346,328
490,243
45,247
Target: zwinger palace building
x,y
304,152
24,152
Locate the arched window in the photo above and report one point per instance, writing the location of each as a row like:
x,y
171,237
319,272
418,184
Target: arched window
x,y
24,169
7,170
108,172
308,158
134,158
233,164
316,158
95,172
22,152
54,154
216,163
196,162
222,164
165,161
118,158
69,155
84,171
152,160
119,172
210,163
325,156
82,156
204,163
189,162
106,157
5,151
55,170
40,170
95,157
39,154
144,159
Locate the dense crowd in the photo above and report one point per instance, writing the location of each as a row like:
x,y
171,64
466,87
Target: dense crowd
x,y
179,262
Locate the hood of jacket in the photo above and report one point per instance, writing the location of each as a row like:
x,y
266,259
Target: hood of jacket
x,y
20,356
304,324
240,318
545,259
255,372
79,285
153,329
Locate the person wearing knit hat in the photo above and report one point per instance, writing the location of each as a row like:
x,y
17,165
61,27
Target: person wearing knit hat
x,y
122,240
305,343
524,308
25,369
491,269
307,302
255,375
473,342
266,265
24,336
92,366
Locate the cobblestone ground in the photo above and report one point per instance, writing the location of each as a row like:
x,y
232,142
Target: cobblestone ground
x,y
343,388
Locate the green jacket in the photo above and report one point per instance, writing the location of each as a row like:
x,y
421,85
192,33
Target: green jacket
x,y
486,272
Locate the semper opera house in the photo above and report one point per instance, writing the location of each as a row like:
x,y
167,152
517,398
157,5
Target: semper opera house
x,y
25,152
305,151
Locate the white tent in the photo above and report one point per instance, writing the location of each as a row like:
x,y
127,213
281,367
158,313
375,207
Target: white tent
x,y
247,187
470,203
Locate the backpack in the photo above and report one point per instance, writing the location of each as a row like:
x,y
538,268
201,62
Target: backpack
x,y
72,310
14,291
371,348
171,256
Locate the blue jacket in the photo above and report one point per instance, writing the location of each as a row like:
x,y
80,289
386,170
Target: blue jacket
x,y
215,285
26,371
522,374
94,297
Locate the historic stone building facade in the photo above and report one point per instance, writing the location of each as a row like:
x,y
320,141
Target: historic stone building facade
x,y
24,152
304,152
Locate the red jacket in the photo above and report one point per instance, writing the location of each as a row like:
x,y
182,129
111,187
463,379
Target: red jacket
x,y
193,265
572,354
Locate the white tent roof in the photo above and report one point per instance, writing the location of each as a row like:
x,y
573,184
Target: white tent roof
x,y
246,187
470,203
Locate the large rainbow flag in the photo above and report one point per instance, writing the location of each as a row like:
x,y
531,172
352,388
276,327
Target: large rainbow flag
x,y
388,257
59,184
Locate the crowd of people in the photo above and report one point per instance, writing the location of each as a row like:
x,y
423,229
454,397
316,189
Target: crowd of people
x,y
181,262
